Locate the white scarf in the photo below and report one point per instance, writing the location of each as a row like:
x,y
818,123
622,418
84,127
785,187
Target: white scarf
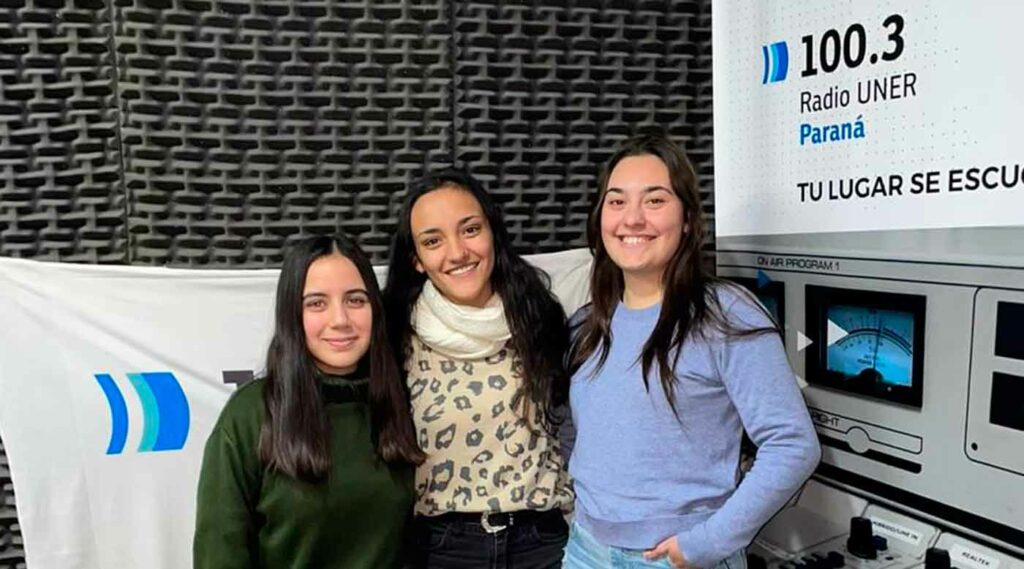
x,y
457,331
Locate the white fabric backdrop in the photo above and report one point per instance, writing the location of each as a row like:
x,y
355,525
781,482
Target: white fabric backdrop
x,y
60,325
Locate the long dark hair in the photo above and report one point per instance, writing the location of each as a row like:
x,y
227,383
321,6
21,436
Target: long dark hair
x,y
535,318
294,437
690,303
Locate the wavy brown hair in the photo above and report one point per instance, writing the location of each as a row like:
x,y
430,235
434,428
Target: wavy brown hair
x,y
690,303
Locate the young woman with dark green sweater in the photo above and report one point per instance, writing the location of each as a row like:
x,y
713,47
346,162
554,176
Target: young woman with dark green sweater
x,y
312,465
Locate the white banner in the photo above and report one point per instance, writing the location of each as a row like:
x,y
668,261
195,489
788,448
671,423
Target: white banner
x,y
110,381
839,116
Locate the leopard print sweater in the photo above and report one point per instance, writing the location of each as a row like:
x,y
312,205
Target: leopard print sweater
x,y
481,455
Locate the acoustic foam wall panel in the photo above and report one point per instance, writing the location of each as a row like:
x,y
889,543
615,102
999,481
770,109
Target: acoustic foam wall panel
x,y
12,553
545,90
246,123
60,191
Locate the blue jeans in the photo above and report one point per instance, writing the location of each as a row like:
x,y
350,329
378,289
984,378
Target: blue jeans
x,y
585,552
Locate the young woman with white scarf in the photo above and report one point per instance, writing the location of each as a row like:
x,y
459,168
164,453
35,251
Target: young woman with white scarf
x,y
483,341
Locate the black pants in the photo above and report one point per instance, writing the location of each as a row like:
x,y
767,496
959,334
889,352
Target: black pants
x,y
534,540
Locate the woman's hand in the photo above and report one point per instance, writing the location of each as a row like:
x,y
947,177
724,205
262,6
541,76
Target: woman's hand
x,y
669,547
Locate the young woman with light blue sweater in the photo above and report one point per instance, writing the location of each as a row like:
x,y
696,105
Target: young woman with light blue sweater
x,y
671,366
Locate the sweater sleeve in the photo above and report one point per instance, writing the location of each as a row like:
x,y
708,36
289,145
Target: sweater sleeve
x,y
226,533
763,389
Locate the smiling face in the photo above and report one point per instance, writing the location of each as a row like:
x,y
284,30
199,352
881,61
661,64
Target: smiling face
x,y
336,314
454,245
641,218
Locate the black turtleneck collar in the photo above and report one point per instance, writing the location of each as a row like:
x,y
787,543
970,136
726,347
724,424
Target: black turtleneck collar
x,y
346,388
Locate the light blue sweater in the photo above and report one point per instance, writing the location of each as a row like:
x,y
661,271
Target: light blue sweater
x,y
642,475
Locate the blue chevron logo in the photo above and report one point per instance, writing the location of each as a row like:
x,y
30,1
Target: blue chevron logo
x,y
165,412
776,62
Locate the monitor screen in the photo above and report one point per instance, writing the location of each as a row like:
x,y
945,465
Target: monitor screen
x,y
867,343
1007,406
878,346
1010,330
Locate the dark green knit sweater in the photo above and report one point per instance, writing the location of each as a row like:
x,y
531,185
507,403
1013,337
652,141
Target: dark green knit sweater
x,y
248,517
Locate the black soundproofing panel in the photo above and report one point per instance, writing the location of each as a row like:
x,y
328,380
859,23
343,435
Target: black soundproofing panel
x,y
12,553
258,122
61,195
208,133
545,91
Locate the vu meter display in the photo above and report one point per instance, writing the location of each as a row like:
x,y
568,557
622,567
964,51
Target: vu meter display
x,y
877,348
867,342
